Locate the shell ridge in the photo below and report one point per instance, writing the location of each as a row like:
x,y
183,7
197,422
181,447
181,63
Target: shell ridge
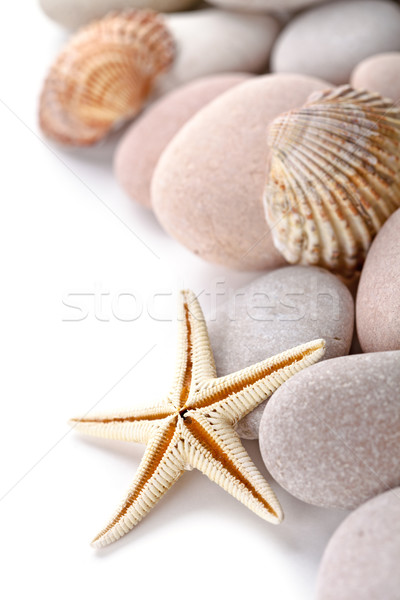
x,y
324,214
104,75
356,174
335,164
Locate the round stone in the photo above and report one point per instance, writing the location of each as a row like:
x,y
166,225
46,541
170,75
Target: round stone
x,y
207,187
331,435
215,41
328,41
380,73
75,13
378,296
260,5
139,150
278,311
362,558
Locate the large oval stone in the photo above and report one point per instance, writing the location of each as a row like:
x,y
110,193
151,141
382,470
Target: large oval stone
x,y
140,148
330,40
208,185
331,435
361,560
74,13
379,73
215,41
261,5
282,309
378,296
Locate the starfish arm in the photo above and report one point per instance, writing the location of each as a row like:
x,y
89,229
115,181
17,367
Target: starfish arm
x,y
214,448
234,396
195,360
202,354
132,426
161,466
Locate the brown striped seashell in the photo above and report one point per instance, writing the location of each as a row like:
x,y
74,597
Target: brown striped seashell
x,y
334,177
104,76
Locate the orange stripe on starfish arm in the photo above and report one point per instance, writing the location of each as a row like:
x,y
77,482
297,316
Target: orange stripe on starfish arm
x,y
235,383
184,369
133,426
217,453
187,378
157,472
150,415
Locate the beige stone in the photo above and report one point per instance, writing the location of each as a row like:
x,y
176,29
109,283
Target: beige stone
x,y
361,560
328,41
215,41
277,311
208,185
379,73
378,295
331,435
75,13
267,5
139,150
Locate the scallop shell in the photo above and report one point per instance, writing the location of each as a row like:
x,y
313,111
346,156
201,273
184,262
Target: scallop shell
x,y
104,76
334,177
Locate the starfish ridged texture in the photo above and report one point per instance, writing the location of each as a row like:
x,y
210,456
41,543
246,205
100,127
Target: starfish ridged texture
x,y
194,426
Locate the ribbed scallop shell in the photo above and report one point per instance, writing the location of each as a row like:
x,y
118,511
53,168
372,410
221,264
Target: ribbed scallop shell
x,y
334,177
104,75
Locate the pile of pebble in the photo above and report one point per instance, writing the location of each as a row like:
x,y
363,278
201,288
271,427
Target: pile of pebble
x,y
331,434
197,157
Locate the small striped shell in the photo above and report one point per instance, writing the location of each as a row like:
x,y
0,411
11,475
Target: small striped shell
x,y
334,177
104,76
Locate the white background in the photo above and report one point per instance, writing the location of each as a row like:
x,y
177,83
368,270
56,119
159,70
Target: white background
x,y
67,229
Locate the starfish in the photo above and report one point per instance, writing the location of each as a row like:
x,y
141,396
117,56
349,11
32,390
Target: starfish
x,y
194,426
